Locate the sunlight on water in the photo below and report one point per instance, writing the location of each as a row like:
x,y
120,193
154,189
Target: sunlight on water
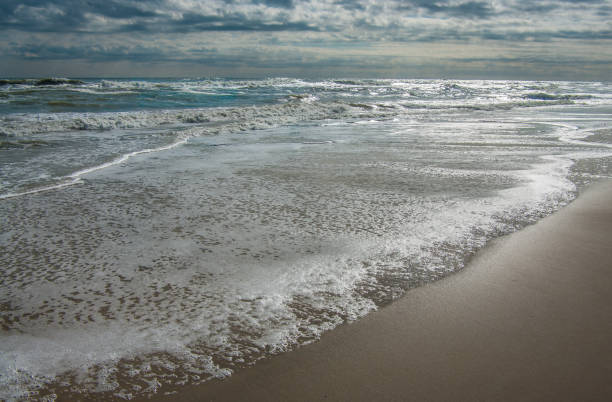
x,y
153,244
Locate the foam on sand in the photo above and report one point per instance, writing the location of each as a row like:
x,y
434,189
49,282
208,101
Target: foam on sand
x,y
527,319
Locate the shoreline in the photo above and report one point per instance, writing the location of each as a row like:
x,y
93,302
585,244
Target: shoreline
x,y
528,318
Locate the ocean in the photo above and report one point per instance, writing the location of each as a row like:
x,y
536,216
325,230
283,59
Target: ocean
x,y
163,232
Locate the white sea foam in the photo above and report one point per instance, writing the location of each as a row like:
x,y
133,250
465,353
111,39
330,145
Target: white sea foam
x,y
75,178
310,103
204,258
213,121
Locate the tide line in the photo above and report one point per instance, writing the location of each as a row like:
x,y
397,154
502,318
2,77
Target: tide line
x,y
75,177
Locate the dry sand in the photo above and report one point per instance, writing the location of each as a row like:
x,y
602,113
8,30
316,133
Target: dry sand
x,y
530,318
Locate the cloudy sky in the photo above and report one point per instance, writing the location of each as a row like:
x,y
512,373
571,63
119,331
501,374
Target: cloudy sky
x,y
513,39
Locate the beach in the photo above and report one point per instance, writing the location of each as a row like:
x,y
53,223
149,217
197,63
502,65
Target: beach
x,y
528,318
149,248
305,200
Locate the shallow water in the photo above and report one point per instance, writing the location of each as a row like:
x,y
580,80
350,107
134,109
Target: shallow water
x,y
163,244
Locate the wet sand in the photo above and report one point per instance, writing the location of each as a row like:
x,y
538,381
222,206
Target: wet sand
x,y
529,319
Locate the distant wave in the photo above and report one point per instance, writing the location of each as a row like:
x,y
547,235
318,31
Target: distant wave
x,y
211,121
41,82
551,97
234,119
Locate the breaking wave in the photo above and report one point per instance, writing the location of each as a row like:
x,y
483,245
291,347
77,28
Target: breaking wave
x,y
212,121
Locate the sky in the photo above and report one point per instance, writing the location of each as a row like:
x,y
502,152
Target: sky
x,y
471,39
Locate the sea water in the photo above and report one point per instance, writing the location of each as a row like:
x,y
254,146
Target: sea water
x,y
156,233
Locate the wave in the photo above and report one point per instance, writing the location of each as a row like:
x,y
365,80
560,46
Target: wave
x,y
22,143
210,121
551,97
100,96
42,82
486,106
75,178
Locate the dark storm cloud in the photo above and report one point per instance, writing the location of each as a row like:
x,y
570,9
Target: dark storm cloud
x,y
537,8
66,15
161,15
74,15
604,11
536,60
94,53
544,36
153,16
207,56
350,4
469,9
545,6
277,3
195,23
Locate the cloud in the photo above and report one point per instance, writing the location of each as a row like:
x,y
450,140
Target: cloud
x,y
90,52
281,33
582,1
69,15
546,35
199,23
277,3
604,11
183,16
129,15
469,9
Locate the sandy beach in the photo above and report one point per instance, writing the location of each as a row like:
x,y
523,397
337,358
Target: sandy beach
x,y
529,318
306,200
